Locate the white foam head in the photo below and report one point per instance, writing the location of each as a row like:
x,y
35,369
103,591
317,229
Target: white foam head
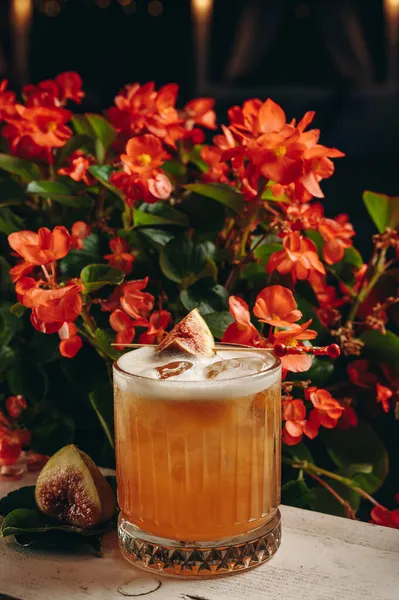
x,y
136,372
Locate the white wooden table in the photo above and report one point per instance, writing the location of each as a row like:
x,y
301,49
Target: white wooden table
x,y
321,558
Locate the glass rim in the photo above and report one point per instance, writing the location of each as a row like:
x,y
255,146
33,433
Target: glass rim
x,y
274,367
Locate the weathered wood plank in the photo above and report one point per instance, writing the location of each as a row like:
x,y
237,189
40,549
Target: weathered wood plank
x,y
321,557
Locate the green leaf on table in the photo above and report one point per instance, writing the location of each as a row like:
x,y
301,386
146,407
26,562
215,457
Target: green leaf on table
x,y
158,213
102,402
183,260
358,448
23,497
382,347
19,166
97,276
59,192
9,221
224,194
206,295
384,210
218,322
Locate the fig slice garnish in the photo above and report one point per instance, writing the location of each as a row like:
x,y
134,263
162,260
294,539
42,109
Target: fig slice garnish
x,y
72,489
192,336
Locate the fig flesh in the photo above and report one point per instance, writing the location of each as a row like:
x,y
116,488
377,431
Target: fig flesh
x,y
72,489
192,336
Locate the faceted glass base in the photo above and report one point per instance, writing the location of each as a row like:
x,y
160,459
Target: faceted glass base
x,y
201,559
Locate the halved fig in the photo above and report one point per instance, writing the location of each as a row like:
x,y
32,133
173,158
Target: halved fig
x,y
72,489
192,335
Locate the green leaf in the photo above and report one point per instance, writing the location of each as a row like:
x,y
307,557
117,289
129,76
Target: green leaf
x,y
206,295
72,264
268,195
104,339
102,402
9,221
59,192
74,143
18,310
359,446
299,452
45,348
18,166
197,160
296,493
5,278
264,252
159,213
9,324
384,210
175,168
24,497
218,322
103,134
205,215
350,263
97,276
182,261
224,194
323,501
52,434
7,358
321,371
11,193
28,379
156,236
383,348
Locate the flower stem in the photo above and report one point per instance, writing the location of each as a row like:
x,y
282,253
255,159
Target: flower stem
x,y
348,508
366,289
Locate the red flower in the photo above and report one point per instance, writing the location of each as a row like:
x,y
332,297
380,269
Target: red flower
x,y
78,169
276,306
218,168
290,337
294,414
242,331
20,270
120,258
15,405
67,86
70,87
10,449
80,230
337,234
136,303
359,374
200,112
7,101
348,418
42,247
45,126
159,321
52,306
327,410
384,394
318,166
70,343
123,325
387,518
299,257
143,154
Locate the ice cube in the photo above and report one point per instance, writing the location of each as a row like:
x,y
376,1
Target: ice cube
x,y
173,369
235,367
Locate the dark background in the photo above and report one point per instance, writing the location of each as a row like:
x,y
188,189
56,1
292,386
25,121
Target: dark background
x,y
331,56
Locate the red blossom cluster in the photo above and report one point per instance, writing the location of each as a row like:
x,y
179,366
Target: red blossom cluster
x,y
39,126
360,373
12,438
54,306
130,307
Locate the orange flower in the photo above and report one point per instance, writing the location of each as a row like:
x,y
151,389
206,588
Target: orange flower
x,y
327,410
123,325
120,258
80,230
70,343
384,394
337,234
159,320
200,112
218,169
7,101
291,337
278,156
276,306
78,170
242,331
136,303
299,257
45,126
67,86
42,247
52,305
15,405
20,270
294,414
143,154
318,166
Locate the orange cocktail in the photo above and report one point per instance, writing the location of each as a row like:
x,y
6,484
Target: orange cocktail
x,y
198,456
